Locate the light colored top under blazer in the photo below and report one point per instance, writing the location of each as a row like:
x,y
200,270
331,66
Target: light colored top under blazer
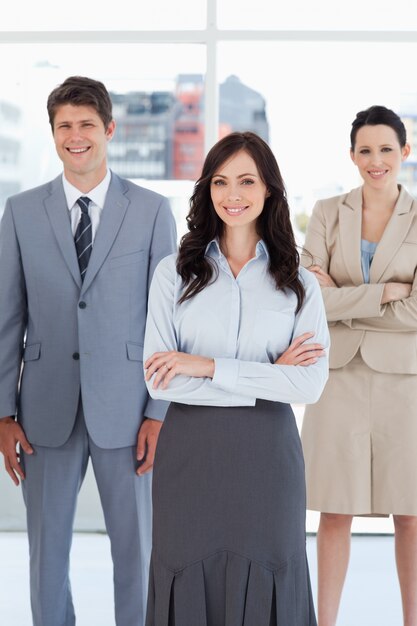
x,y
386,334
48,316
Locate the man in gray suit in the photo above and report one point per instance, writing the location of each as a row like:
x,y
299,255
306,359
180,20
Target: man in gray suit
x,y
76,259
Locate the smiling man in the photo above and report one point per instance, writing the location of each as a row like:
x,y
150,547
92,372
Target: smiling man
x,y
76,259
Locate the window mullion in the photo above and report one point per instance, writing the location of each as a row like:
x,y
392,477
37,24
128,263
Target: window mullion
x,y
211,92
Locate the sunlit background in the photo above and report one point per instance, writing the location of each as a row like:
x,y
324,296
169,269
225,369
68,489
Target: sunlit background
x,y
181,75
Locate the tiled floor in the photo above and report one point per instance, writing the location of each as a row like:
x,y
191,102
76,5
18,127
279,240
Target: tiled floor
x,y
371,596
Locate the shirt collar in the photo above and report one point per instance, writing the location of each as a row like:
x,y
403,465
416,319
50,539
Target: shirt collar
x,y
96,195
261,249
213,249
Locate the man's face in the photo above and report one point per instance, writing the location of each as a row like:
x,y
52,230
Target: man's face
x,y
81,142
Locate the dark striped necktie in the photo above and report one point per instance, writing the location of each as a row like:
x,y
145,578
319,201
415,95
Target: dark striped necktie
x,y
83,236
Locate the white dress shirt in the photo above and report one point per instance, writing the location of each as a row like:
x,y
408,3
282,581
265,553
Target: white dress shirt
x,y
245,324
97,197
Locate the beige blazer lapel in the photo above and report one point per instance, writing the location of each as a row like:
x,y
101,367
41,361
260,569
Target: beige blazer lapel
x,y
350,227
394,235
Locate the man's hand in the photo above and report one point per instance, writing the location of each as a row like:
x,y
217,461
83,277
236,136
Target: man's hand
x,y
11,435
147,440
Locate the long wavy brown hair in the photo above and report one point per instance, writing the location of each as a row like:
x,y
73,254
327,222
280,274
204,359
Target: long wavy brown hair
x,y
273,224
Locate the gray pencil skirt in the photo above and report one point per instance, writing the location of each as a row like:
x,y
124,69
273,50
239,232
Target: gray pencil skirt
x,y
229,519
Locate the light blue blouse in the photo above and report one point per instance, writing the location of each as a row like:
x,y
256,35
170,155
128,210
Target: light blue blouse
x,y
244,323
368,249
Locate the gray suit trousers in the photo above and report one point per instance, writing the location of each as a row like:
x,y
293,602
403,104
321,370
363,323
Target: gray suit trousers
x,y
53,479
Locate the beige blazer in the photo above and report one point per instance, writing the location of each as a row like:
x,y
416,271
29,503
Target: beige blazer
x,y
386,334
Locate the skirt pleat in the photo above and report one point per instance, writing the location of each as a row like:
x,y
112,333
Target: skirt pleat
x,y
160,587
237,578
258,604
189,596
291,606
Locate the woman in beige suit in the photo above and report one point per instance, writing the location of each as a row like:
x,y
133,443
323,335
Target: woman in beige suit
x,y
360,439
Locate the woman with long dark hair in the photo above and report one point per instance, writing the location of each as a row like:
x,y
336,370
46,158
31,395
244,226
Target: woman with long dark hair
x,y
236,331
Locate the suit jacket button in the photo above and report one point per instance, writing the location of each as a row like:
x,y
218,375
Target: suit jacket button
x,y
82,304
76,356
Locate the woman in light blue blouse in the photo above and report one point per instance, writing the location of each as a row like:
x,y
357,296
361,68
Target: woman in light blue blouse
x,y
236,331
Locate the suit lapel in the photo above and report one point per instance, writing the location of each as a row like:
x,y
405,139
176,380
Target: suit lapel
x,y
58,215
111,219
394,235
350,226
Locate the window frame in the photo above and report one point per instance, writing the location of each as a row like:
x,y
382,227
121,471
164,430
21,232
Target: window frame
x,y
210,37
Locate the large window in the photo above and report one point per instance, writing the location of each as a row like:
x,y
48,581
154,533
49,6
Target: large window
x,y
313,90
183,74
44,15
321,15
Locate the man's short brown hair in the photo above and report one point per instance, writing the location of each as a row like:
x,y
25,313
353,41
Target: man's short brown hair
x,y
81,91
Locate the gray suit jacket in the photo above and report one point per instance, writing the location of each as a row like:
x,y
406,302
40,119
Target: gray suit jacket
x,y
59,335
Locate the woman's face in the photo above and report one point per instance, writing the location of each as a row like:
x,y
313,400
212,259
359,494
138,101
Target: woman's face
x,y
378,155
238,192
